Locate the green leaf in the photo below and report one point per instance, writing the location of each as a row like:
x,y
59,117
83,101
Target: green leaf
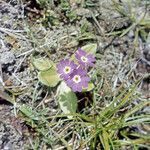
x,y
42,63
67,99
90,48
143,119
86,36
89,88
71,15
105,139
64,5
27,111
137,108
145,22
49,77
125,96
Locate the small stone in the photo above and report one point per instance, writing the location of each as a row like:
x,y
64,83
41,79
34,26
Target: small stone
x,y
8,146
7,57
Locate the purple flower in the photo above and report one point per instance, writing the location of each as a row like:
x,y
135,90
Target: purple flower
x,y
84,59
65,68
78,79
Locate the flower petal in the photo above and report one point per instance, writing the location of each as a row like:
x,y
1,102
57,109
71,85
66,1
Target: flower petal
x,y
90,58
81,52
61,66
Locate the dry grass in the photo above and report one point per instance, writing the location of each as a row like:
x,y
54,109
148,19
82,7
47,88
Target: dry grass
x,y
115,114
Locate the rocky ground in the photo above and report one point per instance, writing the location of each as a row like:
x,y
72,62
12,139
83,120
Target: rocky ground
x,y
27,30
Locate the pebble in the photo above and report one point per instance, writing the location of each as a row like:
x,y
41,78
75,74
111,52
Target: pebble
x,y
7,58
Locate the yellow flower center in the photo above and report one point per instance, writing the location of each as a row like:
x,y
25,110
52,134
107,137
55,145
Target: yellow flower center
x,y
77,79
67,70
84,59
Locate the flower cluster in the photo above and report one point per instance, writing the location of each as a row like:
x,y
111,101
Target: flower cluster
x,y
74,74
